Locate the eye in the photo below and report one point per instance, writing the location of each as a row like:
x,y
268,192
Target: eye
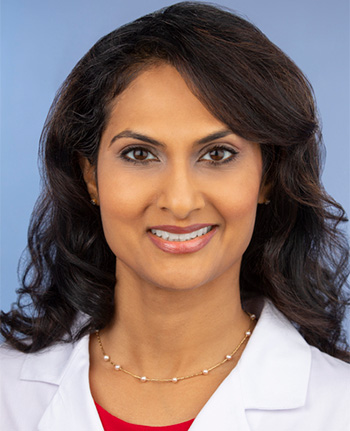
x,y
138,154
219,154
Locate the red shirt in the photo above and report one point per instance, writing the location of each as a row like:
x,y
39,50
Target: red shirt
x,y
111,423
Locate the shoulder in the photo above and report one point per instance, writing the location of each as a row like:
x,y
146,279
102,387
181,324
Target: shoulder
x,y
29,381
329,380
293,383
328,395
17,393
46,364
11,362
324,363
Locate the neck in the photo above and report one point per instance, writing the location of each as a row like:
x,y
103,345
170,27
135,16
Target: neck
x,y
165,332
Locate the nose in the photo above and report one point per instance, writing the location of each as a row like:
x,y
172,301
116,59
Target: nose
x,y
180,194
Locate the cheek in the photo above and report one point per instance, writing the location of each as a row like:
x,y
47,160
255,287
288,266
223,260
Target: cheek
x,y
240,196
241,205
121,195
238,191
237,206
122,204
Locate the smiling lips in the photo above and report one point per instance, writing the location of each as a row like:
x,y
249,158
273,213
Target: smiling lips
x,y
174,239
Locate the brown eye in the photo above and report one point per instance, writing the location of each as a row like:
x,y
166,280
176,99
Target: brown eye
x,y
219,155
140,154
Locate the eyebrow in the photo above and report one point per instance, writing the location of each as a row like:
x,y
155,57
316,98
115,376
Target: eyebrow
x,y
144,138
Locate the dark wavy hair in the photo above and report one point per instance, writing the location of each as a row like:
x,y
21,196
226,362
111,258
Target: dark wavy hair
x,y
298,257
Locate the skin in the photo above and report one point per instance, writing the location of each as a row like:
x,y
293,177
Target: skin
x,y
176,314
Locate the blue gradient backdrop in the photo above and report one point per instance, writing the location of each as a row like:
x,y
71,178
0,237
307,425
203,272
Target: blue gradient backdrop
x,y
41,41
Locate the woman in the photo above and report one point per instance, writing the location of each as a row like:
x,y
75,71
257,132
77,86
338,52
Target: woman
x,y
186,270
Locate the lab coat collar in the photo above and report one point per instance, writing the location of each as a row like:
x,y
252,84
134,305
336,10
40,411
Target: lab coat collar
x,y
272,374
72,406
275,367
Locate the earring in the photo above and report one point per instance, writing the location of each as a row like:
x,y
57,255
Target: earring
x,y
267,202
93,202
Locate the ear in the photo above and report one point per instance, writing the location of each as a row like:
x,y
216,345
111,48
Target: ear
x,y
264,193
89,174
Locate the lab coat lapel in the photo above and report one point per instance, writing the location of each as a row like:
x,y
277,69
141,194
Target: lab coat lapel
x,y
225,409
272,374
72,407
275,366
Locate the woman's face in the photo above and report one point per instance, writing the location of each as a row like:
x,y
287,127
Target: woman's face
x,y
167,171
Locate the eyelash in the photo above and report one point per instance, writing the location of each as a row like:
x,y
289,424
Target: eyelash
x,y
229,159
124,156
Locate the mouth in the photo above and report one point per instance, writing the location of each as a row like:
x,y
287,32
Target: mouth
x,y
181,237
173,239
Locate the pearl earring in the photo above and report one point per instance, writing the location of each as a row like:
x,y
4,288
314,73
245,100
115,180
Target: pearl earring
x,y
93,201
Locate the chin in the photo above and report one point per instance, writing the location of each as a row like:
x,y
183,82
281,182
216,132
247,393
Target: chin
x,y
180,282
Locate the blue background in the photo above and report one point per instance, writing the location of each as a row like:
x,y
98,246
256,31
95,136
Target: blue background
x,y
41,41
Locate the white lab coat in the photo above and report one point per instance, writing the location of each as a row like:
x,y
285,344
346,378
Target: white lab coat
x,y
279,384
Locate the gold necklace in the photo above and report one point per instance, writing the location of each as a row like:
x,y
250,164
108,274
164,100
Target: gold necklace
x,y
204,372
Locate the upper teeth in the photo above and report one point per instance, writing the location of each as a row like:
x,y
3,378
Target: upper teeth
x,y
180,236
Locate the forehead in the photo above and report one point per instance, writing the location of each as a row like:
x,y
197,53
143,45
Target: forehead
x,y
159,102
